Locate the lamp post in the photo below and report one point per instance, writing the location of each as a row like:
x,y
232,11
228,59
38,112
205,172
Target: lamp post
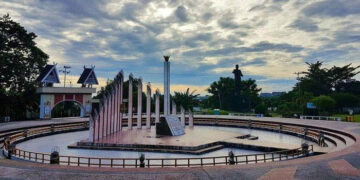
x,y
65,71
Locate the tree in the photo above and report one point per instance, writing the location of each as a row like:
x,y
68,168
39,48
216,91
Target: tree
x,y
21,61
340,75
221,89
345,100
324,104
223,93
187,100
261,108
318,80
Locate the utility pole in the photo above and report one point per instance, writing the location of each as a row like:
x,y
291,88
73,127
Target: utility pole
x,y
65,71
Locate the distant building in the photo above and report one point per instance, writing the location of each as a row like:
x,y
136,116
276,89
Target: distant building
x,y
272,94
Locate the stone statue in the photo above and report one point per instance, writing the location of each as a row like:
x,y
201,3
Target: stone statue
x,y
237,74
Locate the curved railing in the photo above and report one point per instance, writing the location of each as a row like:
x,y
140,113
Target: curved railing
x,y
20,135
163,162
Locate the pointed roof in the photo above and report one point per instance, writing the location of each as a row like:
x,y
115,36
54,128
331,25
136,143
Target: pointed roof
x,y
88,76
49,75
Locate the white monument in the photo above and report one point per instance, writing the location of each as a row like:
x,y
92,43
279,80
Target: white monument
x,y
148,106
166,86
139,103
130,102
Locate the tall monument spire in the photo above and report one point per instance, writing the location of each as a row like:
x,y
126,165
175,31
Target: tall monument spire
x,y
166,85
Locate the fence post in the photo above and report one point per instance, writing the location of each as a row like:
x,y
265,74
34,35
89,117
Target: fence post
x,y
54,158
52,128
9,147
305,149
142,161
25,133
231,158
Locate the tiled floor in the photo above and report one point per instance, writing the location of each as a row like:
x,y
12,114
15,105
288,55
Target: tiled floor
x,y
336,165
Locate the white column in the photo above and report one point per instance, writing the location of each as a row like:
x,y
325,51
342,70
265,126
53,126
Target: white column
x,y
101,124
109,115
105,116
42,106
91,128
148,106
112,123
96,125
116,108
82,112
157,106
191,119
182,117
139,103
121,98
166,86
173,107
130,103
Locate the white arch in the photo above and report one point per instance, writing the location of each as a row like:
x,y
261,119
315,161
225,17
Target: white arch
x,y
82,108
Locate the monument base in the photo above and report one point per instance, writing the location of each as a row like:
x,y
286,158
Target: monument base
x,y
169,126
195,141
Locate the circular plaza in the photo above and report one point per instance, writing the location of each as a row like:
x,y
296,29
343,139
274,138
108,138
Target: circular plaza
x,y
278,144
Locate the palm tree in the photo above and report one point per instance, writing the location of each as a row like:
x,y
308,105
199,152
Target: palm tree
x,y
186,99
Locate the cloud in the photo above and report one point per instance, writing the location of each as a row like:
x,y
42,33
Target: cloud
x,y
305,25
257,47
270,39
345,37
266,46
181,14
226,21
333,8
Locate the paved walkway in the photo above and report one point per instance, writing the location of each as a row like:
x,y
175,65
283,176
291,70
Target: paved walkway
x,y
344,164
20,124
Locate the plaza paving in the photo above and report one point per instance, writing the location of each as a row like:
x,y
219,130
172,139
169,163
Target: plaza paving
x,y
344,164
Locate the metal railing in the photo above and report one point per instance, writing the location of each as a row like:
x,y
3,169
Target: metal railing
x,y
224,160
152,162
163,162
321,118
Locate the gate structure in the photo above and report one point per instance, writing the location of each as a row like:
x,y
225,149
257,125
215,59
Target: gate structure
x,y
51,96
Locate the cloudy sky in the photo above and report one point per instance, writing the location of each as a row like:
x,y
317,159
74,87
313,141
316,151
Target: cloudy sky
x,y
269,39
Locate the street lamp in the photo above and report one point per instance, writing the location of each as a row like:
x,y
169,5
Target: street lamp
x,y
65,71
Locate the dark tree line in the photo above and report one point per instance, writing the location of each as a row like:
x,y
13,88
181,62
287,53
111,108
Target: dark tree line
x,y
329,89
21,61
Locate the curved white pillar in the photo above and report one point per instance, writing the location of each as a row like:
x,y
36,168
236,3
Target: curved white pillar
x,y
139,103
148,106
130,102
157,106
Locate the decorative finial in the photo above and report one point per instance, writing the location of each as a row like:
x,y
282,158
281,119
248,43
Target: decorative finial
x,y
166,58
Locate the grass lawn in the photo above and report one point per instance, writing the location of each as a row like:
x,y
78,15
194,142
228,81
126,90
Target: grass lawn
x,y
211,111
343,117
222,112
274,114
